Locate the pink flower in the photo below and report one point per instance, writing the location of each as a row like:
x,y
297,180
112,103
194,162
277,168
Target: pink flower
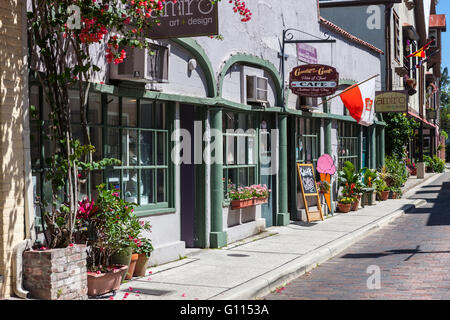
x,y
71,245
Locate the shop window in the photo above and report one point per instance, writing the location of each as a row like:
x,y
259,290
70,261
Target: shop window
x,y
307,140
134,131
240,150
348,144
396,38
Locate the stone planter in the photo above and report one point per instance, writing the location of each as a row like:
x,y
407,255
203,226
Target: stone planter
x,y
102,283
56,274
370,197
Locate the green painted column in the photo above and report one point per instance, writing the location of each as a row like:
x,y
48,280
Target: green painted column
x,y
292,164
327,137
218,238
382,150
283,217
372,147
329,150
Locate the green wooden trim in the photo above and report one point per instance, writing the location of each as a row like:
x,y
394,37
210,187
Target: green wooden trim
x,y
252,61
348,82
146,212
202,58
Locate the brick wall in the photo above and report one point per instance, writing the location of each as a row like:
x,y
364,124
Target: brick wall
x,y
58,274
11,143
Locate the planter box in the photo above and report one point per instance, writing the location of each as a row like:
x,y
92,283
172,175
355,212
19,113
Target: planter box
x,y
257,201
239,204
56,274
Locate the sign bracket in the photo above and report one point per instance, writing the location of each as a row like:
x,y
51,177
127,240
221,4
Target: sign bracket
x,y
288,38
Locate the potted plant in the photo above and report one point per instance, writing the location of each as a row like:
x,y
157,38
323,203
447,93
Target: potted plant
x,y
144,250
345,204
396,192
411,167
382,189
323,187
369,177
109,226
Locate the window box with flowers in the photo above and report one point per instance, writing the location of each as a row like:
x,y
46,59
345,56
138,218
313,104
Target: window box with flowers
x,y
248,196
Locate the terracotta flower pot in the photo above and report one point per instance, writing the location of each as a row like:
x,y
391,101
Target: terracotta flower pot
x,y
344,207
141,265
394,195
355,205
99,284
384,195
134,259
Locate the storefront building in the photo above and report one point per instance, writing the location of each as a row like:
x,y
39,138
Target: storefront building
x,y
316,129
410,26
227,98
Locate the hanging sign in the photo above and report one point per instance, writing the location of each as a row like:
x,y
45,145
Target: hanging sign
x,y
309,189
186,18
306,53
391,101
314,80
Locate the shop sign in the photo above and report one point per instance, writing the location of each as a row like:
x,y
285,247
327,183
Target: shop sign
x,y
314,80
306,53
391,101
186,18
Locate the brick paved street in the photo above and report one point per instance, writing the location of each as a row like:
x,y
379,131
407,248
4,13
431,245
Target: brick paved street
x,y
413,254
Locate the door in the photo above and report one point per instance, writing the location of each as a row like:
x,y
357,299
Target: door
x,y
265,167
188,181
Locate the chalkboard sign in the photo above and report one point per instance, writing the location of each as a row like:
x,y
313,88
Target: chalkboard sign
x,y
307,179
309,189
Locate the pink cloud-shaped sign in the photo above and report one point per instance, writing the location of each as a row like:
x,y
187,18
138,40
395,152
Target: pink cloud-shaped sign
x,y
325,164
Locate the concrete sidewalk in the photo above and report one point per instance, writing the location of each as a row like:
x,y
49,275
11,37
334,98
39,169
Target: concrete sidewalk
x,y
258,265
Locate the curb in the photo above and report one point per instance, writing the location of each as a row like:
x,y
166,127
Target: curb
x,y
268,282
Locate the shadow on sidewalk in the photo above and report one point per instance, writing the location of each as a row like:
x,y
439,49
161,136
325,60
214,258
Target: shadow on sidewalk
x,y
411,252
440,205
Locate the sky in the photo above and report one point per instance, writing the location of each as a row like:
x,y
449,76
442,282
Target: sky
x,y
443,7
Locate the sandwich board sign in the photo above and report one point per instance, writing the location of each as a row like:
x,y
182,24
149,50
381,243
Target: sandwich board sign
x,y
309,189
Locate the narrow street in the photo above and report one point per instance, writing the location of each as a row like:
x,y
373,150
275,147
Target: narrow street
x,y
412,253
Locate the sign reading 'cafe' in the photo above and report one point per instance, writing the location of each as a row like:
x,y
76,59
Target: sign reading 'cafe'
x,y
314,80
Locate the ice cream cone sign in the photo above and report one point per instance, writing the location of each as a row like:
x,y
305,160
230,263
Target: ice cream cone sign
x,y
326,168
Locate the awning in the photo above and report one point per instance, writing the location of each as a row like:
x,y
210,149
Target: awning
x,y
421,119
